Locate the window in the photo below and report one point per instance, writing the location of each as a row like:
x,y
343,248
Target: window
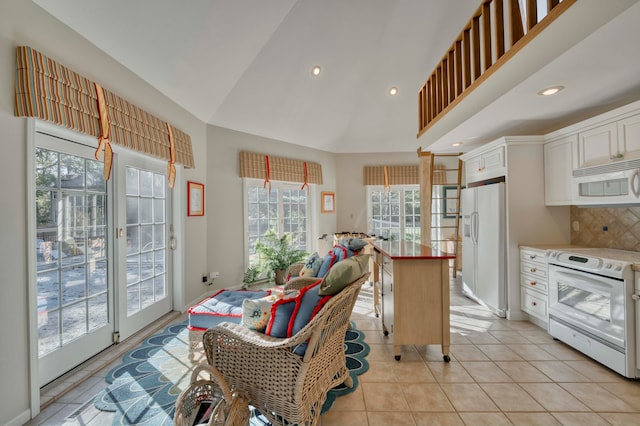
x,y
395,213
284,209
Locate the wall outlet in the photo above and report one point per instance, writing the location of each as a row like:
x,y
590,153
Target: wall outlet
x,y
214,275
205,278
576,225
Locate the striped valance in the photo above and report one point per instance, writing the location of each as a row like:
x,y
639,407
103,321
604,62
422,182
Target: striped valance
x,y
397,175
254,165
51,92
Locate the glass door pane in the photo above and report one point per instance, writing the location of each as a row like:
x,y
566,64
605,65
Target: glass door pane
x,y
72,266
144,271
146,228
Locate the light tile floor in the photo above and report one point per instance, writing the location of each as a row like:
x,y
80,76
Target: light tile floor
x,y
501,373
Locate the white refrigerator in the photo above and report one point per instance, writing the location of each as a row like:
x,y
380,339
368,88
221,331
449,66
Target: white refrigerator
x,y
483,246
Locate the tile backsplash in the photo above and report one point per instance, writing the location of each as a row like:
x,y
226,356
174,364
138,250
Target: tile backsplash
x,y
606,227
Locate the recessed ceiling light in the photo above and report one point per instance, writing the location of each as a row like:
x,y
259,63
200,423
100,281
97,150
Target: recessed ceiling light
x,y
456,144
550,90
316,70
393,91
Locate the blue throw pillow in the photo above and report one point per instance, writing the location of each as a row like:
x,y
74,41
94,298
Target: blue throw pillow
x,y
352,243
309,304
336,254
281,313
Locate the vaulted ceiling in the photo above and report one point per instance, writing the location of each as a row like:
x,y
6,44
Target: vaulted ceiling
x,y
246,65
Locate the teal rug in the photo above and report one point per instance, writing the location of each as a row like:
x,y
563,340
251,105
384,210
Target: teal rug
x,y
143,389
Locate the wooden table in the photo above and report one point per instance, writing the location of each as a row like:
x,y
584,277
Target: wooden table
x,y
414,288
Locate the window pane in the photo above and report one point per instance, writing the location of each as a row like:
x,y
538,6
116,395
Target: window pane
x,y
46,168
146,183
71,172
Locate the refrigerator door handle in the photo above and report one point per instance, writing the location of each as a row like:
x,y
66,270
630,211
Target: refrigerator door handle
x,y
474,227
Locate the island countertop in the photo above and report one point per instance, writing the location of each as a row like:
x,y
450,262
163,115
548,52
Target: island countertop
x,y
409,250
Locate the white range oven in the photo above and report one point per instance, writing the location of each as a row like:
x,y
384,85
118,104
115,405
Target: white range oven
x,y
592,305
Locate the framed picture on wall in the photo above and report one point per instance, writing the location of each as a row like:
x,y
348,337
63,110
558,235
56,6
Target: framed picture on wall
x,y
195,199
449,202
328,200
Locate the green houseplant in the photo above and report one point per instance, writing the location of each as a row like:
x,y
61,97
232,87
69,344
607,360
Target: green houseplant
x,y
277,254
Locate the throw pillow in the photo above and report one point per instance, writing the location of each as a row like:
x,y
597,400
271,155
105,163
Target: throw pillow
x,y
312,266
309,303
343,273
256,313
281,312
336,254
352,243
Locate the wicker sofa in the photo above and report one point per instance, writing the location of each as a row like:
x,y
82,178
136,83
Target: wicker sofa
x,y
285,387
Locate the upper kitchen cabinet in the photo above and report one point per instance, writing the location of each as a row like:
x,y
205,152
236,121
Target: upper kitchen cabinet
x,y
560,158
605,139
629,137
598,145
616,141
488,163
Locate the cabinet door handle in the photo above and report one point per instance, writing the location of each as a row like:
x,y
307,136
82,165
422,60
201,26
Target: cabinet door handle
x,y
534,304
532,256
533,269
532,283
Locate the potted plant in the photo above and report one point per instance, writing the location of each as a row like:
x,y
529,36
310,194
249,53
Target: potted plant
x,y
250,275
277,254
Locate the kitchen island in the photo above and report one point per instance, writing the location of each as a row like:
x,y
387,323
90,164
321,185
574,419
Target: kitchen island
x,y
414,288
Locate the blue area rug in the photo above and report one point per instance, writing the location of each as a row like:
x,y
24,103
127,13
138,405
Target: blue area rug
x,y
143,389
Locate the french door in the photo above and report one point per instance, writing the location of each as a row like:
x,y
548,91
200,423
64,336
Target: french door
x,y
102,262
142,233
73,256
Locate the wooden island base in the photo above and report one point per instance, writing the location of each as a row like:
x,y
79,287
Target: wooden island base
x,y
414,288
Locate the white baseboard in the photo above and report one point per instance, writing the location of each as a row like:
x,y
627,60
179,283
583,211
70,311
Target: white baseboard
x,y
20,419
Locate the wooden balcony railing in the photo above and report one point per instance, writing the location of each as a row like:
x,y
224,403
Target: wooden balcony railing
x,y
480,49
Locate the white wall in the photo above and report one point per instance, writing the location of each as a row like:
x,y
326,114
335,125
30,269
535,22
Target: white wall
x,y
24,23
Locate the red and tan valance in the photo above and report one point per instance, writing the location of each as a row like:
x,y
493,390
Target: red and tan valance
x,y
52,92
270,167
395,175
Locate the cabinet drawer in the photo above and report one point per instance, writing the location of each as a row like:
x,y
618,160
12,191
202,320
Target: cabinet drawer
x,y
534,283
529,255
533,303
536,270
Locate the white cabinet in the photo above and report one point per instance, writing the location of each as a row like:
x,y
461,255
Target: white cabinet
x,y
533,284
610,142
560,158
629,137
598,145
486,165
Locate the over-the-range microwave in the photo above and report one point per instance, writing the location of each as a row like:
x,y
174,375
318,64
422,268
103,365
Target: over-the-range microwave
x,y
610,184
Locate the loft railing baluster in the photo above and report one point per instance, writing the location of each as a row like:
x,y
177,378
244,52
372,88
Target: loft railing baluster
x,y
486,34
499,27
515,22
532,13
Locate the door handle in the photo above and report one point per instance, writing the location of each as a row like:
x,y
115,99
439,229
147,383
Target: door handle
x,y
635,187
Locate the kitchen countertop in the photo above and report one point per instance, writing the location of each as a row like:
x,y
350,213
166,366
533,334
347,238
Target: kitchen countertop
x,y
409,250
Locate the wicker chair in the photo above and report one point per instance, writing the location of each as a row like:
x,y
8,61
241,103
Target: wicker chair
x,y
287,388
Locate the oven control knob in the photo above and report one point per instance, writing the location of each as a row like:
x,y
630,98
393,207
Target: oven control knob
x,y
607,266
618,268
